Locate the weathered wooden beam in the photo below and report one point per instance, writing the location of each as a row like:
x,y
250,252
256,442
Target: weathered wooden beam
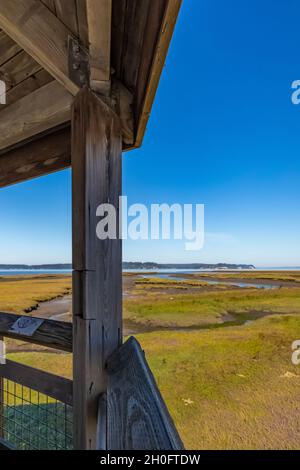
x,y
66,11
41,34
82,22
51,334
56,387
97,277
99,16
8,48
47,154
37,112
138,418
27,86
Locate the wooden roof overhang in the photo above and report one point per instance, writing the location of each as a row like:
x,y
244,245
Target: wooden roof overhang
x,y
49,49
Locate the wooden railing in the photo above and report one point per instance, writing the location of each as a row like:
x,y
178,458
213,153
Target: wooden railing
x,y
132,414
137,417
51,333
51,385
54,411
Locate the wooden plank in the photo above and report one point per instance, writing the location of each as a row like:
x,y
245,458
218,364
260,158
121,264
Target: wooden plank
x,y
43,109
118,36
138,418
56,387
99,16
50,4
141,34
123,103
137,13
41,34
67,14
128,30
27,86
158,34
17,69
51,334
97,279
47,154
82,22
8,48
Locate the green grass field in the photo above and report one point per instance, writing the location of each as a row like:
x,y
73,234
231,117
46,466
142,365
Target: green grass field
x,y
231,388
204,308
228,386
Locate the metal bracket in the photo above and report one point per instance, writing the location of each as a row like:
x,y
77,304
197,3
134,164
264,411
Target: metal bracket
x,y
78,63
26,326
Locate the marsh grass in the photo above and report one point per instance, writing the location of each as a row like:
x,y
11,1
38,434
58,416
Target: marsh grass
x,y
19,295
209,308
228,388
288,276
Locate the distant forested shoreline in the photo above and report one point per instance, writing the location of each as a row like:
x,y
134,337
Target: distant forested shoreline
x,y
131,265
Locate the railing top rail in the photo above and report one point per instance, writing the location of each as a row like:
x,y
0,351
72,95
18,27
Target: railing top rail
x,y
50,333
56,387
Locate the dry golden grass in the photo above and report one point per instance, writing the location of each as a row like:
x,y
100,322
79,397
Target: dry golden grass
x,y
23,294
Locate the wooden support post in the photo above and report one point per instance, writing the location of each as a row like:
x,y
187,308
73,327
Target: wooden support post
x,y
97,264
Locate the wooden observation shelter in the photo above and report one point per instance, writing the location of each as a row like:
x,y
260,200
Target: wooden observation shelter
x,y
79,78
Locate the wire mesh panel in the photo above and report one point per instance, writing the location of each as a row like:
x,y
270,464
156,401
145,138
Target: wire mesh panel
x,y
32,420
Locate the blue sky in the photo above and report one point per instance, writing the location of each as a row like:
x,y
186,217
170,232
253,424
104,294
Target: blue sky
x,y
223,132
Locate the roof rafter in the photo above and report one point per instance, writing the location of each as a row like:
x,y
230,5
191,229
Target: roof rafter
x,y
37,112
41,34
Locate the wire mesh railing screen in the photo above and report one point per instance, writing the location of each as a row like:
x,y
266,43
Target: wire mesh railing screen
x,y
30,420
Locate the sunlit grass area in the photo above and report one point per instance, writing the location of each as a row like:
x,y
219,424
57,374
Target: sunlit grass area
x,y
264,275
229,384
231,388
22,294
59,364
209,308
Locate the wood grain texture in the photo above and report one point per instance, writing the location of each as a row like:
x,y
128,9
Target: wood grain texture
x,y
8,48
97,277
66,12
49,4
52,334
141,34
47,154
27,86
138,418
137,13
56,387
41,34
17,69
45,108
99,16
129,19
82,22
